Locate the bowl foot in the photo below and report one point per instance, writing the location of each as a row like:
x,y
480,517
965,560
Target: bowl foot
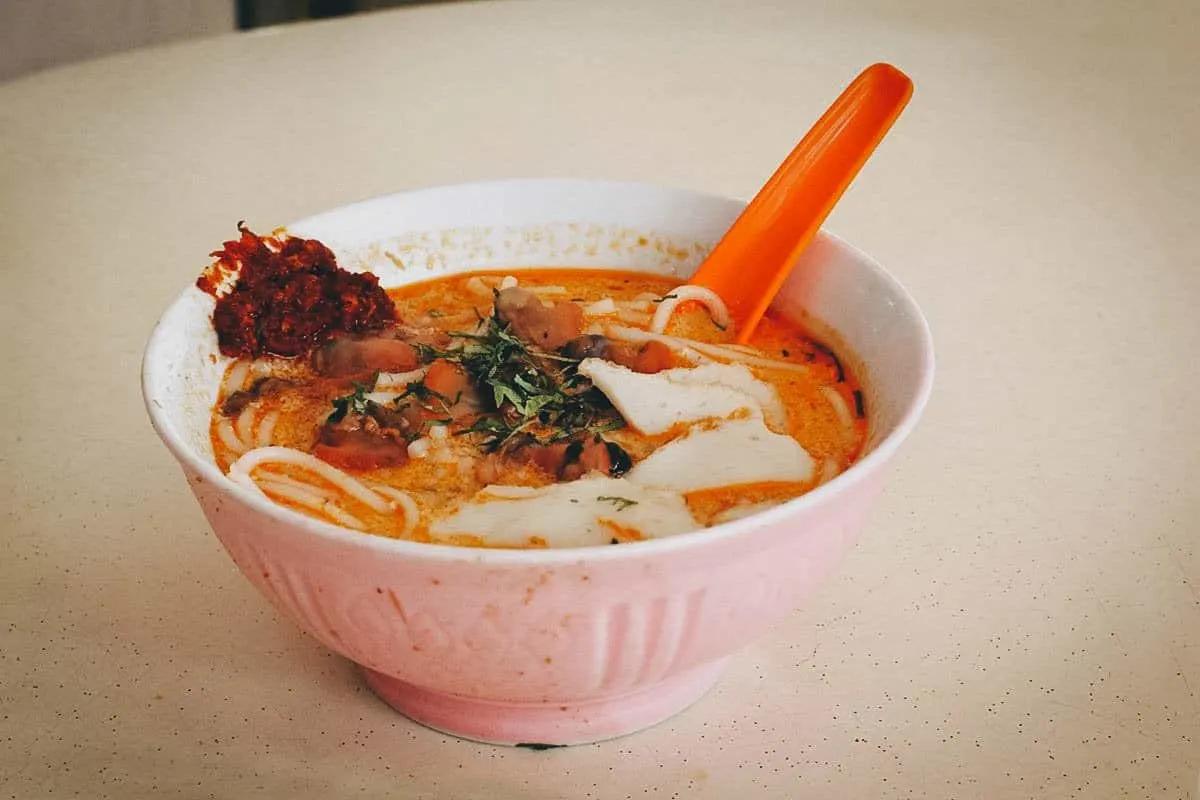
x,y
546,724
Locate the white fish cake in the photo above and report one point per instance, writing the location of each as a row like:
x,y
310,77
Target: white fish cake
x,y
737,452
654,403
568,514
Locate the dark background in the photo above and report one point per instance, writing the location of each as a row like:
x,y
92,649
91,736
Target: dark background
x,y
257,13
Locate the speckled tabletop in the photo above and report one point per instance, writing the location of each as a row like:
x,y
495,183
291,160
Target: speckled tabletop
x,y
1021,619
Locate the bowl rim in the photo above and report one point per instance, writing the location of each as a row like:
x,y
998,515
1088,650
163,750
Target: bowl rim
x,y
855,475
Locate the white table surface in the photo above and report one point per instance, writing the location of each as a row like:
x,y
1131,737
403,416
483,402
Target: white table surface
x,y
1022,618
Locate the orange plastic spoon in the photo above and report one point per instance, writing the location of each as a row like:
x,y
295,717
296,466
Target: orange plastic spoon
x,y
751,261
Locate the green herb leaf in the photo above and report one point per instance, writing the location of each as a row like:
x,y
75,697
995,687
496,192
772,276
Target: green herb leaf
x,y
528,389
354,403
621,503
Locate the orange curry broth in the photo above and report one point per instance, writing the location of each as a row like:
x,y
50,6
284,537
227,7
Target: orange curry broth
x,y
451,304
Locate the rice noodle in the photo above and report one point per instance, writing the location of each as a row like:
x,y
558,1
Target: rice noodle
x,y
681,346
714,351
342,517
508,282
292,489
398,380
298,458
633,317
742,511
235,379
682,294
829,471
548,290
307,496
419,448
229,437
319,495
476,286
600,307
404,500
266,428
840,408
245,426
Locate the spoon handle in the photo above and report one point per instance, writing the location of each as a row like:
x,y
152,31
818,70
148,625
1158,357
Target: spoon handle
x,y
753,259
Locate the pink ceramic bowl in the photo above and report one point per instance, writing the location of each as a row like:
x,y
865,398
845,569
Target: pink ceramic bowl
x,y
560,646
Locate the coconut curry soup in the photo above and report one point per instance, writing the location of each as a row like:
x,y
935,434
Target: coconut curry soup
x,y
536,408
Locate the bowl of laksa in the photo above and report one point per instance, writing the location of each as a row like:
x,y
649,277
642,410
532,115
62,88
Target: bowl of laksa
x,y
486,442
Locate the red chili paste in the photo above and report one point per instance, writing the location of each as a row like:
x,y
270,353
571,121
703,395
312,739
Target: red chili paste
x,y
287,296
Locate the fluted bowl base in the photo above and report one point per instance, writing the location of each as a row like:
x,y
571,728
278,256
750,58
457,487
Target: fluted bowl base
x,y
550,724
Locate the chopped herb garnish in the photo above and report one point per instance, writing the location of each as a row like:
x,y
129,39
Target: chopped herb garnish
x,y
785,352
615,540
858,403
665,297
428,398
531,392
621,503
354,403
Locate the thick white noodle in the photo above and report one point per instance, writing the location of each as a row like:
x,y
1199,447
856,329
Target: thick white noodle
x,y
829,471
342,517
476,286
287,455
742,511
840,408
682,294
404,500
635,305
266,429
245,480
235,380
548,291
228,437
307,496
419,448
715,351
600,307
508,282
633,317
681,346
245,426
317,494
392,381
